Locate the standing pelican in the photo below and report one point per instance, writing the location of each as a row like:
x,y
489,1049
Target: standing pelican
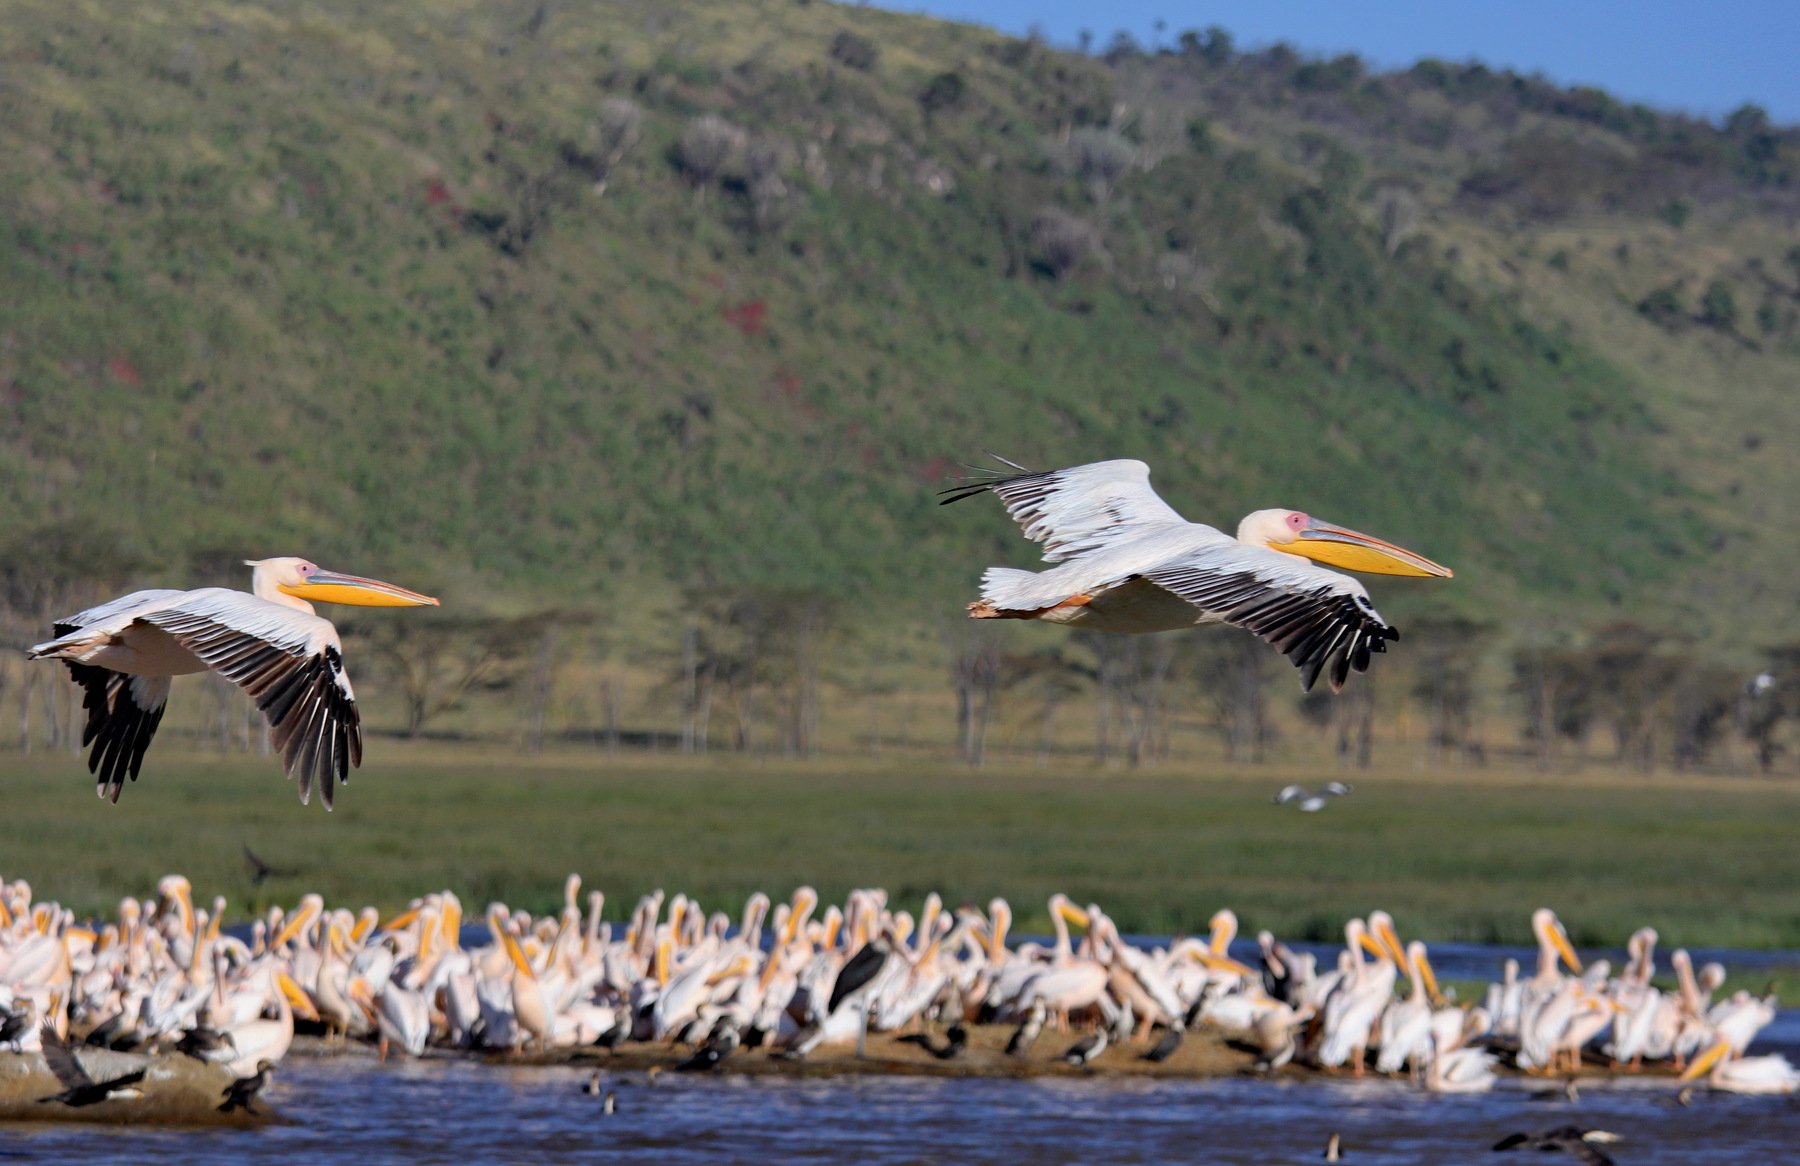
x,y
269,643
1130,563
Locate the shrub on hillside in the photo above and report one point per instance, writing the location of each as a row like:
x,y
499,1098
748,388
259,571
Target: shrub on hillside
x,y
1062,241
707,147
854,52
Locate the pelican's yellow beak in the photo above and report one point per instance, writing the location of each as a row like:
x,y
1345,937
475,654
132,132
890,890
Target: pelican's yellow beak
x,y
1705,1061
1225,964
1560,941
516,954
1340,546
1072,914
1429,975
355,591
1396,950
1372,945
405,919
297,998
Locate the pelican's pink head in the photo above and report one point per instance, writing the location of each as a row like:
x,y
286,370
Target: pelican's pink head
x,y
1298,533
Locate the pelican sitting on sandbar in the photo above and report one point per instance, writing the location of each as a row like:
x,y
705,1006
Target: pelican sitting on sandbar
x,y
268,642
1129,563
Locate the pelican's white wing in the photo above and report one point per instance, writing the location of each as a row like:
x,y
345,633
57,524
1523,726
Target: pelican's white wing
x,y
1080,509
123,712
289,663
1319,619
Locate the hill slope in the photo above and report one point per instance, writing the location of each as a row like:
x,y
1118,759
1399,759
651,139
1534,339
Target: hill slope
x,y
345,279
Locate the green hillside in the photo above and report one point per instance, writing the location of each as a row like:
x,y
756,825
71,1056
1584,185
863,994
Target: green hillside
x,y
468,295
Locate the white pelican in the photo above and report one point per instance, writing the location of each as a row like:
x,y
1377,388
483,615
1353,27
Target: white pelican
x,y
1130,563
1729,1074
268,642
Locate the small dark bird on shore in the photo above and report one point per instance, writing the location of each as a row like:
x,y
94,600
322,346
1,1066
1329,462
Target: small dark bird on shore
x,y
1028,1030
80,1089
240,1093
260,870
1164,1048
613,1039
720,1043
1569,1139
1083,1051
203,1044
955,1040
14,1025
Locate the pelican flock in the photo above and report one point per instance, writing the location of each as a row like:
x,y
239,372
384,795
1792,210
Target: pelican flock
x,y
790,981
1125,561
268,642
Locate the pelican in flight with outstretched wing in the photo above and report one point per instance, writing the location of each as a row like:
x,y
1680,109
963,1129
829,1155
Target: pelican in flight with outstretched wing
x,y
1127,562
268,642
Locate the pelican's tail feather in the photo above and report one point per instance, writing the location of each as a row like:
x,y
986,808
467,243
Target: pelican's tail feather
x,y
1010,589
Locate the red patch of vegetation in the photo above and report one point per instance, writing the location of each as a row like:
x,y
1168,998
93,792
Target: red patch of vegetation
x,y
937,469
747,317
436,193
790,388
124,371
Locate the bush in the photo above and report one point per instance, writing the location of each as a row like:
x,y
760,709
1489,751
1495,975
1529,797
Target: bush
x,y
1663,307
1718,307
708,146
944,91
1062,241
854,52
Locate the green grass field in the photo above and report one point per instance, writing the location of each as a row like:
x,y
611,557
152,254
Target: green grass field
x,y
1453,856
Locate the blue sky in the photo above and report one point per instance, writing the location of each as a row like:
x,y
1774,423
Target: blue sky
x,y
1695,56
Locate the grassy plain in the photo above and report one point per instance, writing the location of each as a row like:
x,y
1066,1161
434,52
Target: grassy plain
x,y
1455,856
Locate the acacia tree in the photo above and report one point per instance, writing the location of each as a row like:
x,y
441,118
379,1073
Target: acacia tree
x,y
1232,671
437,660
975,673
1445,655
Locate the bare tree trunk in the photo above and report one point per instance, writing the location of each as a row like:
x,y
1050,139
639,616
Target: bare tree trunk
x,y
50,716
690,692
609,698
25,693
703,712
543,676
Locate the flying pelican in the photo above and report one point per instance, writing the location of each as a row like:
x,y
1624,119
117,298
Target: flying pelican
x,y
1130,563
1314,802
269,643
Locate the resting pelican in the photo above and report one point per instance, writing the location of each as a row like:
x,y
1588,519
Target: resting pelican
x,y
1130,563
269,643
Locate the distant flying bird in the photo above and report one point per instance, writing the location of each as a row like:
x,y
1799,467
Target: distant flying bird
x,y
79,1088
268,642
1583,1144
261,871
1127,562
1314,802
